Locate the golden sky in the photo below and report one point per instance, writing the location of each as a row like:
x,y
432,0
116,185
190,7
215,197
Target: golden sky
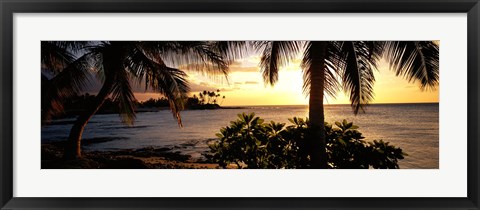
x,y
245,86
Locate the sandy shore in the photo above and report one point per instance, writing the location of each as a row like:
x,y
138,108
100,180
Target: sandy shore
x,y
145,158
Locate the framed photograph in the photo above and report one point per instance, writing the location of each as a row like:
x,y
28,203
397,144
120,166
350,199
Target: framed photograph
x,y
239,105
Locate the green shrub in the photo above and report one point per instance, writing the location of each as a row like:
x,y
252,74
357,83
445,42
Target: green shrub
x,y
249,142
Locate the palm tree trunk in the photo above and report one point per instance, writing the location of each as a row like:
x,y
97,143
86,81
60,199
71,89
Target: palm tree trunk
x,y
112,62
318,152
73,149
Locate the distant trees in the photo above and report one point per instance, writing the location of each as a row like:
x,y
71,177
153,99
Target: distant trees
x,y
209,97
76,104
159,102
206,100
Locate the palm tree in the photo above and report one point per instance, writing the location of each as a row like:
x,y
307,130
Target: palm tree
x,y
59,60
118,63
329,66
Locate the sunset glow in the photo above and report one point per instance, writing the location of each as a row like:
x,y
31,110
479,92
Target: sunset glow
x,y
245,86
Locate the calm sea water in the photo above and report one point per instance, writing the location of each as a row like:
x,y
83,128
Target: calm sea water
x,y
413,127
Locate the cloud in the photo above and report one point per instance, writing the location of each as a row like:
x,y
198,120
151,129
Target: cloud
x,y
251,82
235,66
197,67
243,69
230,89
197,87
236,63
252,60
240,67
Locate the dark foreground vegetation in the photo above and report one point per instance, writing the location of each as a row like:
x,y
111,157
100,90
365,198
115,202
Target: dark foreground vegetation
x,y
249,142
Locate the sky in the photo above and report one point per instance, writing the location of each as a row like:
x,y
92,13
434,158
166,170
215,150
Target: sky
x,y
245,86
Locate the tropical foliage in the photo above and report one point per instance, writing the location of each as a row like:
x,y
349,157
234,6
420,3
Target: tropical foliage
x,y
249,142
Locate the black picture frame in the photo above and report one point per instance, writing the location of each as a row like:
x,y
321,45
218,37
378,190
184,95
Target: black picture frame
x,y
10,7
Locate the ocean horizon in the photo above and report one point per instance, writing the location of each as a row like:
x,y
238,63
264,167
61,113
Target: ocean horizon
x,y
371,104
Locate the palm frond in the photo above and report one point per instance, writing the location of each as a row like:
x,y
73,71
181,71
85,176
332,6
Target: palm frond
x,y
170,82
185,53
139,65
375,50
205,55
122,94
75,46
357,71
331,84
97,67
415,61
54,57
231,50
173,85
274,55
69,82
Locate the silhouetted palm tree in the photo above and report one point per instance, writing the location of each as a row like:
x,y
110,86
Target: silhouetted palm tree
x,y
117,63
59,61
329,66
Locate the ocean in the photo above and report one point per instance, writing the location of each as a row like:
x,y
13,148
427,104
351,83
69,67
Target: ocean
x,y
412,127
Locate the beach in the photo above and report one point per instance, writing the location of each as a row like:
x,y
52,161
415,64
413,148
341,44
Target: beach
x,y
145,158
